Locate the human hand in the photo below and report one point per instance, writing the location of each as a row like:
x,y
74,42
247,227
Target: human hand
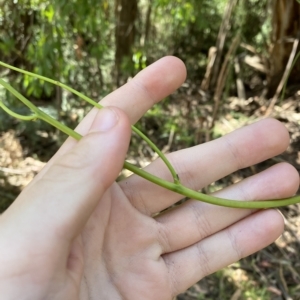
x,y
76,234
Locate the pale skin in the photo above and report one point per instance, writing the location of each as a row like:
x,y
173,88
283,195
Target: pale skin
x,y
74,233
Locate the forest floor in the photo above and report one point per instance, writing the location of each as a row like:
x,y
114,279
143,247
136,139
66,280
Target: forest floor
x,y
180,122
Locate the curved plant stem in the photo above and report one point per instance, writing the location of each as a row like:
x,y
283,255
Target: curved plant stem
x,y
161,155
182,190
175,186
17,116
95,104
37,113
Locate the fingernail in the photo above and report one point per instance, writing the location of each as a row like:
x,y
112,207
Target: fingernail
x,y
105,120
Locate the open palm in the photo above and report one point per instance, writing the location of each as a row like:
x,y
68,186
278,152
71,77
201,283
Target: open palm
x,y
108,240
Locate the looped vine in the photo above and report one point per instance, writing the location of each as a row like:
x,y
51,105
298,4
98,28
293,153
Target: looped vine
x,y
174,186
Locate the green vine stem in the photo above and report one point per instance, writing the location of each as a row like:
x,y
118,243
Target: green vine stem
x,y
17,116
175,186
95,104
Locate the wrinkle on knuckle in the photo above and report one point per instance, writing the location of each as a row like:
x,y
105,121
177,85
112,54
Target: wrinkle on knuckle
x,y
202,222
78,160
232,237
276,190
127,191
142,204
136,198
203,260
184,171
247,194
136,82
173,272
82,155
234,153
72,163
163,238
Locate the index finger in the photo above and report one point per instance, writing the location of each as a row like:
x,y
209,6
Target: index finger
x,y
138,95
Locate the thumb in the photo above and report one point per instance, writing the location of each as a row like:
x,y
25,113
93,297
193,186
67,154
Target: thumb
x,y
67,194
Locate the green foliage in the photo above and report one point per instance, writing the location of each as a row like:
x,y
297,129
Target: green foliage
x,y
186,28
66,40
253,22
74,42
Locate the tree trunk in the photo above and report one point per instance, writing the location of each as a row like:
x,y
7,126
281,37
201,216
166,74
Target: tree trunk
x,y
148,22
286,28
126,13
224,30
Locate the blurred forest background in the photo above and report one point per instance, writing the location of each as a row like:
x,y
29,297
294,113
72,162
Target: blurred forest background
x,y
239,54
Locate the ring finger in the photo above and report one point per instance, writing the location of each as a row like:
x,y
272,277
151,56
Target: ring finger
x,y
193,221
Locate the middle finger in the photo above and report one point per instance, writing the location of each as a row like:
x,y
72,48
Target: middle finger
x,y
201,165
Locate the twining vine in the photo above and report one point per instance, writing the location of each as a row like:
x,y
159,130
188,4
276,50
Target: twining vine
x,y
175,186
